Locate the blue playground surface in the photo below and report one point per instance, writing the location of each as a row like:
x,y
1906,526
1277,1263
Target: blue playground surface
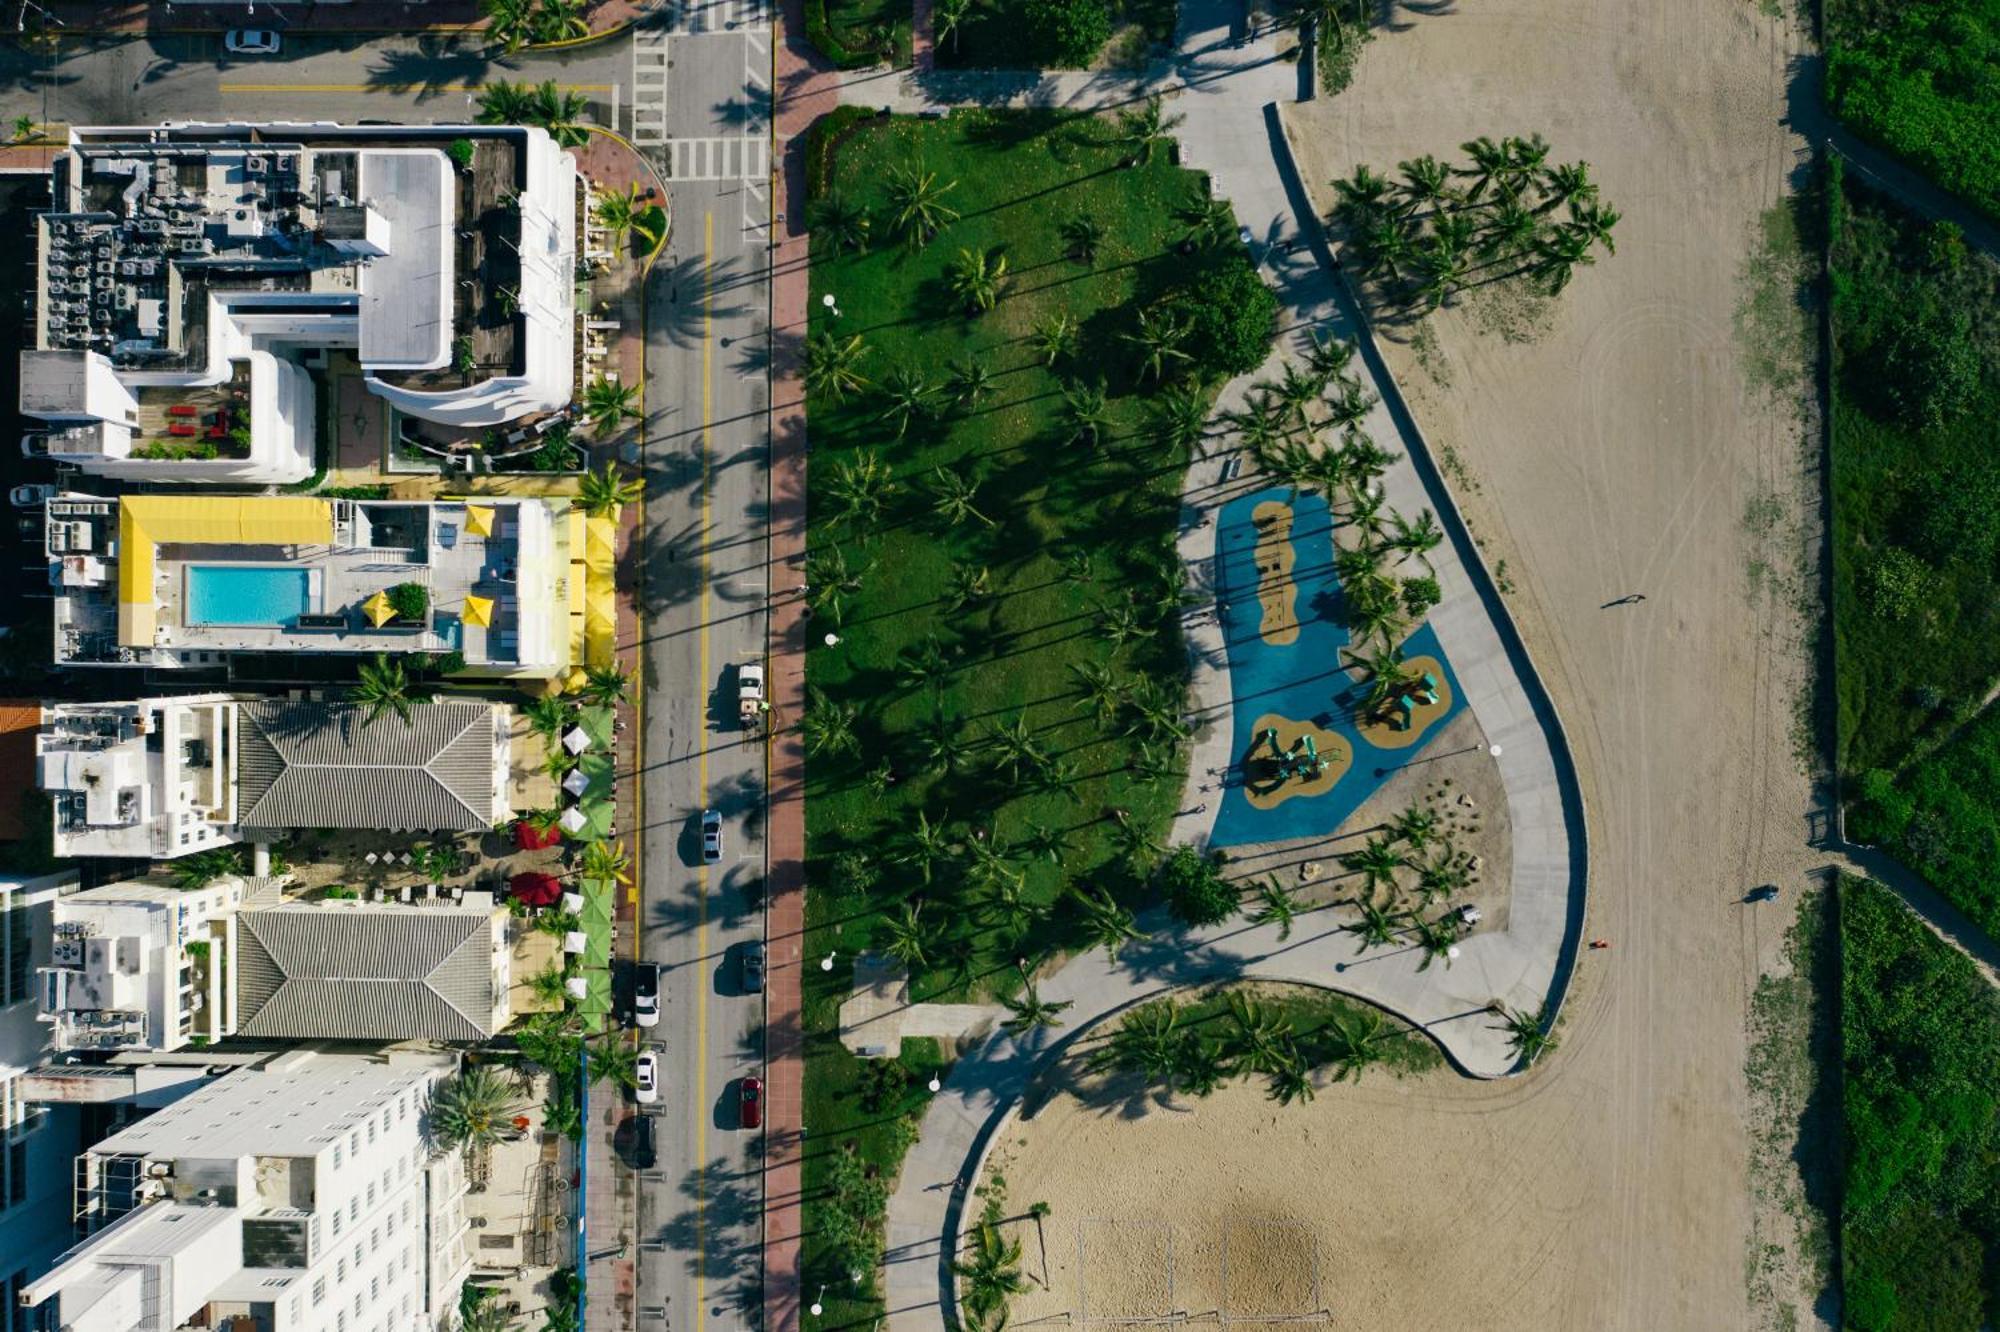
x,y
1302,680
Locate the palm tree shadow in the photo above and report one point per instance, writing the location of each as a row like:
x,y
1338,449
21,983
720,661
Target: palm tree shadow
x,y
431,68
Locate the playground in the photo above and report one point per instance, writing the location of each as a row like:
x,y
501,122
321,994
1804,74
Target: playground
x,y
1311,748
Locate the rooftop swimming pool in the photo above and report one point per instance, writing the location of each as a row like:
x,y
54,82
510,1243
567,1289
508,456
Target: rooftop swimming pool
x,y
1280,612
246,594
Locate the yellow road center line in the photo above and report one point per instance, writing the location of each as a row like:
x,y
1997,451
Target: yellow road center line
x,y
399,88
701,740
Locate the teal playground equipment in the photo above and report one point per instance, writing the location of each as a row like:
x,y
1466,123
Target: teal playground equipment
x,y
1424,691
1302,760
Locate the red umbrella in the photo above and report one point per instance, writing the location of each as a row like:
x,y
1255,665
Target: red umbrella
x,y
528,838
537,890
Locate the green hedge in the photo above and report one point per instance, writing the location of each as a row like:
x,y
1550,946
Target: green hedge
x,y
823,141
1920,1059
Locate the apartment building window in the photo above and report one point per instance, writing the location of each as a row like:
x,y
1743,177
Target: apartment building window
x,y
371,1193
340,1271
17,1172
340,1320
357,1304
19,943
374,1289
336,1225
336,1156
319,1291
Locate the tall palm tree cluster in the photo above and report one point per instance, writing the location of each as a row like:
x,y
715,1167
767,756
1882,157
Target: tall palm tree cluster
x,y
1304,427
1411,866
544,104
1176,1047
1438,229
514,24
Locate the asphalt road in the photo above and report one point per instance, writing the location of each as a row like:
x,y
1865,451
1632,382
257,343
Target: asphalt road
x,y
694,94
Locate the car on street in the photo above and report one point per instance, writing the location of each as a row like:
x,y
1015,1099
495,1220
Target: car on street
x,y
643,1155
750,1104
646,1079
646,994
31,496
35,444
753,967
251,41
711,836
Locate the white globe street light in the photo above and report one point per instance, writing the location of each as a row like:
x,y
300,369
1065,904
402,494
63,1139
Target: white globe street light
x,y
934,1084
826,963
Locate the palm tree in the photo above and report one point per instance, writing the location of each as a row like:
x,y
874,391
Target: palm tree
x,y
1106,923
605,860
1085,413
928,844
606,404
1595,221
830,581
1156,711
1376,927
839,221
1419,537
1376,862
975,277
509,22
1016,746
1442,877
930,662
968,382
1416,826
1083,236
1362,196
1055,337
1525,160
605,684
613,1060
858,488
1047,841
548,717
1437,937
1158,338
560,20
828,725
907,937
970,585
1567,183
1510,229
1145,128
1488,164
917,210
472,1108
1388,677
1426,182
1210,222
1291,1081
993,1272
942,744
946,17
1557,257
1102,689
909,398
1031,1011
1277,904
624,213
603,493
1531,1034
384,687
1353,1046
485,1314
1180,414
833,364
559,112
1261,1040
504,103
196,871
1148,1041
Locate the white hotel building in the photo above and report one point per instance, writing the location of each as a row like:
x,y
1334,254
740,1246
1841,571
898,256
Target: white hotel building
x,y
297,1196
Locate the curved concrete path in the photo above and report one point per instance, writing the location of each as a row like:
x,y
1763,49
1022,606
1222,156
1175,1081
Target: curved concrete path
x,y
1230,96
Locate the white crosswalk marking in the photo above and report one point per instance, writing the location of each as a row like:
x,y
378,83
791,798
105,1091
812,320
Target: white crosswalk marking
x,y
697,16
649,87
734,157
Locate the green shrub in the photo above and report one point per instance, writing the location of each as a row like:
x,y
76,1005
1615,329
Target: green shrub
x,y
412,601
1954,514
1231,317
1197,893
1067,33
461,152
1419,595
1927,372
1898,585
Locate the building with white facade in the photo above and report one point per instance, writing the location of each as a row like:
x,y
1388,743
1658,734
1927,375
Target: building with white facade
x,y
146,780
37,1141
145,966
298,1196
186,271
183,582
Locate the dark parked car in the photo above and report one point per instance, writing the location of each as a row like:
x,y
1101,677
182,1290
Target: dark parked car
x,y
753,967
750,1104
643,1155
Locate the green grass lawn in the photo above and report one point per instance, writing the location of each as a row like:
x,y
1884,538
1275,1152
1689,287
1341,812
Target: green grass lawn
x,y
1920,1056
854,34
1917,77
1069,530
993,36
1916,505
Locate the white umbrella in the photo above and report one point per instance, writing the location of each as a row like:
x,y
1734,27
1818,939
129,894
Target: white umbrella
x,y
573,942
573,820
577,987
576,783
576,740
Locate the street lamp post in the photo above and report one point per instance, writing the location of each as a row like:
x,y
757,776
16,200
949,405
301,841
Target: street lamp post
x,y
826,963
818,1308
832,305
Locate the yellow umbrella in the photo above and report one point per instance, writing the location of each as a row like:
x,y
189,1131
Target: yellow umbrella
x,y
379,611
478,610
479,522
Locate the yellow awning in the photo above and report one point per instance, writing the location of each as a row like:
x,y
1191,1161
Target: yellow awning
x,y
148,521
479,520
380,612
478,610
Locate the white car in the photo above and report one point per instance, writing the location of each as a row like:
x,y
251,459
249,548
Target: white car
x,y
711,836
251,41
646,995
646,1086
31,496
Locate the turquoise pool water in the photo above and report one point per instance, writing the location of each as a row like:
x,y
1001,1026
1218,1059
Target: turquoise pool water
x,y
1303,679
253,594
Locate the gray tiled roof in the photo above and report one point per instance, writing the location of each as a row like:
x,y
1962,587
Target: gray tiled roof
x,y
397,973
314,765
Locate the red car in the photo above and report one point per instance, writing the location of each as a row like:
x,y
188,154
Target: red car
x,y
750,1104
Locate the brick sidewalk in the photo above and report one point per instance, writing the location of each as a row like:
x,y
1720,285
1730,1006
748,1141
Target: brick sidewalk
x,y
603,16
806,89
